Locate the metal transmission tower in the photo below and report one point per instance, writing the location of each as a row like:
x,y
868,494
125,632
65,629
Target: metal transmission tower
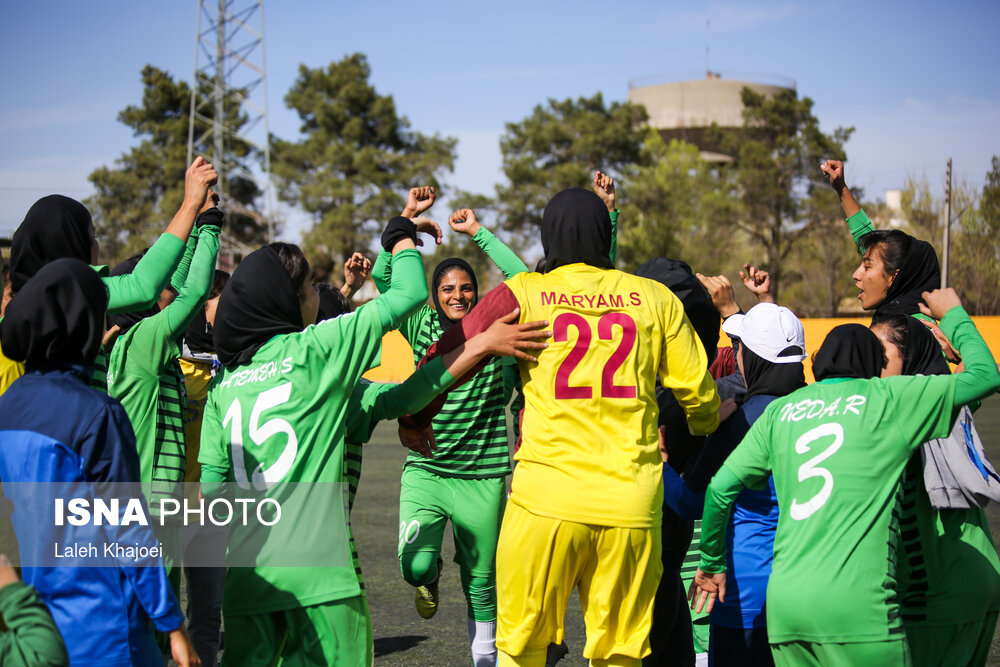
x,y
229,99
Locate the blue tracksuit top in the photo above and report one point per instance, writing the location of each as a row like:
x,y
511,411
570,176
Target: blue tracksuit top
x,y
750,536
55,428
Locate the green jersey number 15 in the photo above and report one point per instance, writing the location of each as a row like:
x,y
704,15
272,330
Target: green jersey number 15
x,y
262,478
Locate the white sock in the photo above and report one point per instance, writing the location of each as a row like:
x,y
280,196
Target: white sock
x,y
483,637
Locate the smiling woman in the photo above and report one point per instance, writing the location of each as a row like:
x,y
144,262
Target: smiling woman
x,y
464,480
456,290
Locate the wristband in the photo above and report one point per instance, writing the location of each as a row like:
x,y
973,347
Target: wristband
x,y
399,228
210,218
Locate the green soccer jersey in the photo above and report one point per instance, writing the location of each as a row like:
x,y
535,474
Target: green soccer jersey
x,y
280,419
143,373
470,431
941,552
837,450
372,402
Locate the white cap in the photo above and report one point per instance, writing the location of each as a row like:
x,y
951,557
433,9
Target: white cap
x,y
767,329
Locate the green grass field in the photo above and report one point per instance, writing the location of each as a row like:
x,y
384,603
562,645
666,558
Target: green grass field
x,y
403,638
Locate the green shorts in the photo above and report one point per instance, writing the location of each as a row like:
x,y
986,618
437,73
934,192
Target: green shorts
x,y
333,633
475,506
964,644
854,654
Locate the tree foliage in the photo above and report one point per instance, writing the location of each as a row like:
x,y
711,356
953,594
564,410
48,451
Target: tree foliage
x,y
674,204
776,170
354,161
137,196
559,146
974,256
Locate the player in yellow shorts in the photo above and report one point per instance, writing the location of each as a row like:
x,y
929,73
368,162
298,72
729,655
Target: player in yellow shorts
x,y
585,502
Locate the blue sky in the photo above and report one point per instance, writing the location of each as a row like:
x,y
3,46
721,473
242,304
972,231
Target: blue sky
x,y
918,80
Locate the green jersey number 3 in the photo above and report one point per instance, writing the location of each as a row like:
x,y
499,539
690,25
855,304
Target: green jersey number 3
x,y
810,469
262,478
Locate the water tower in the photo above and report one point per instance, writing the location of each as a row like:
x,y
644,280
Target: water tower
x,y
684,109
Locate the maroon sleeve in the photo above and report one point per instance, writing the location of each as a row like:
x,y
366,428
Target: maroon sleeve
x,y
724,364
498,302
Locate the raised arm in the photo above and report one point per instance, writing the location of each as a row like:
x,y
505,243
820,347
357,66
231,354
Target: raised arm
x,y
192,294
604,187
464,221
141,288
857,220
357,268
409,288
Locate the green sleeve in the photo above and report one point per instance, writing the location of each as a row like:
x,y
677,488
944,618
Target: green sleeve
x,y
981,377
719,499
382,271
32,639
505,259
412,395
407,292
183,266
932,400
193,292
141,288
859,224
213,453
212,478
382,276
614,236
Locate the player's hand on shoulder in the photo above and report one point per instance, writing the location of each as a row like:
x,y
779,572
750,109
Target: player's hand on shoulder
x,y
505,337
939,302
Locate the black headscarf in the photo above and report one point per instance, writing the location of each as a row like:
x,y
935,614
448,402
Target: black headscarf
x,y
576,227
919,273
198,335
922,355
54,227
332,303
443,268
768,379
126,321
679,279
257,304
57,317
849,351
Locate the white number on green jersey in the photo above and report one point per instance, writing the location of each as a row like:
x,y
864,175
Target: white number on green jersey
x,y
809,469
261,478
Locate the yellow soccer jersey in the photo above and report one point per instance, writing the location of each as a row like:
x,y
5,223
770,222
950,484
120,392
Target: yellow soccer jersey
x,y
589,435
